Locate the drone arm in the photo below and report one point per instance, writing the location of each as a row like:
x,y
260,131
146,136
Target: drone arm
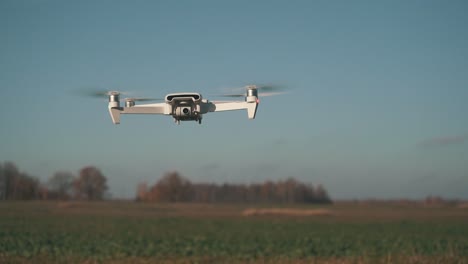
x,y
115,112
251,107
144,110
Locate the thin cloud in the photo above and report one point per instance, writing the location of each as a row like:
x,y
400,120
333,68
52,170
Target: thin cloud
x,y
444,141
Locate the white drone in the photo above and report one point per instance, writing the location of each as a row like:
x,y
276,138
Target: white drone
x,y
188,106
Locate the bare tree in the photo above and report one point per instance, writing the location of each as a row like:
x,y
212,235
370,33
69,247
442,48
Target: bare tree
x,y
61,185
91,184
2,183
15,185
321,195
9,176
26,187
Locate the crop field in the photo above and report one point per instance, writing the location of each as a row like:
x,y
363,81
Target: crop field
x,y
129,232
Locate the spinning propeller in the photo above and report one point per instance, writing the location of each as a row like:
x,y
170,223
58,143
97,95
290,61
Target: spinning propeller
x,y
263,90
143,99
104,94
100,93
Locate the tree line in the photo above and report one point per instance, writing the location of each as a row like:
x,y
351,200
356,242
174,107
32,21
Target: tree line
x,y
89,184
172,187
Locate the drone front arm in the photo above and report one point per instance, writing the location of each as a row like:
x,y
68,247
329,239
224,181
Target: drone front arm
x,y
251,107
154,109
145,109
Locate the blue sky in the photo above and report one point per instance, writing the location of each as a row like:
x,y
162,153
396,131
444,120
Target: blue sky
x,y
377,104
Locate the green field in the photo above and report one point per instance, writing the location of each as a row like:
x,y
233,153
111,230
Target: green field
x,y
127,232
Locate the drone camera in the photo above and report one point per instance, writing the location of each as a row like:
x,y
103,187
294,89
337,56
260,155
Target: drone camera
x,y
186,111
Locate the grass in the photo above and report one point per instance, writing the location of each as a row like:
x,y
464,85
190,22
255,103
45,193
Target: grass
x,y
126,232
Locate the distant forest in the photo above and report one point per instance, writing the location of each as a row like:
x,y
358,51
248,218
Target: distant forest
x,y
91,184
174,188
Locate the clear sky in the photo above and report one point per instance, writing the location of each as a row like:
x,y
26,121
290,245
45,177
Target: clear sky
x,y
377,104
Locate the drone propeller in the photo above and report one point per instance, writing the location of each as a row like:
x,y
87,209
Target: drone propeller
x,y
267,88
142,99
99,93
232,95
264,90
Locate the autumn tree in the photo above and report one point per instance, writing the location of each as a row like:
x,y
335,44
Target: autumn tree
x,y
60,185
172,187
90,184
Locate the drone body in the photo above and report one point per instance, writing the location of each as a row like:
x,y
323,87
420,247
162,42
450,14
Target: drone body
x,y
183,106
